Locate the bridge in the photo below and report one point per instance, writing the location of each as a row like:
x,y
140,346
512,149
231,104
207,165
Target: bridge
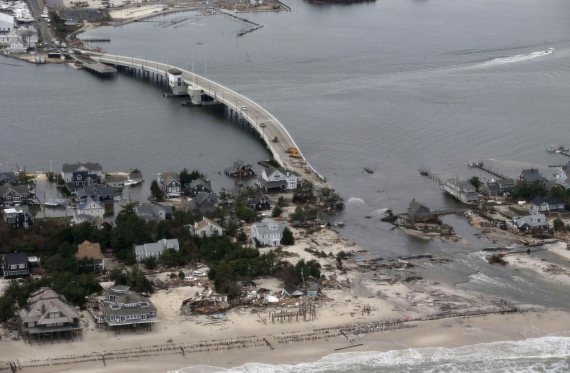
x,y
268,127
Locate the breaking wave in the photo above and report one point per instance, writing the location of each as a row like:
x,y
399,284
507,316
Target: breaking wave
x,y
546,354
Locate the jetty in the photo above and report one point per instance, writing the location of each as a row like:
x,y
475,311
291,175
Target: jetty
x,y
203,91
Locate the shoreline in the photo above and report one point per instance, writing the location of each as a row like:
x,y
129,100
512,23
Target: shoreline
x,y
445,333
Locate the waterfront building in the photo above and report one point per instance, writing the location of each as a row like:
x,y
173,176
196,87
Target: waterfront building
x,y
6,24
90,208
240,169
268,232
170,184
8,178
100,193
461,190
123,307
531,175
418,212
175,82
68,169
279,179
47,313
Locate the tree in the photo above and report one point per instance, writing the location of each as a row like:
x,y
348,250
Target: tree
x,y
187,177
281,202
330,199
6,308
277,211
181,275
157,193
135,171
241,236
475,182
298,215
171,258
224,196
558,224
287,238
305,193
150,262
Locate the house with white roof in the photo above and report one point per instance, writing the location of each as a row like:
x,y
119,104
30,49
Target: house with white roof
x,y
279,179
89,210
268,232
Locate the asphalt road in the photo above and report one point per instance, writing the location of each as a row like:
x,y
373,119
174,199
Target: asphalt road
x,y
45,32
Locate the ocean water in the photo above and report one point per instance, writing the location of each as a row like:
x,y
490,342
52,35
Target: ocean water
x,y
546,354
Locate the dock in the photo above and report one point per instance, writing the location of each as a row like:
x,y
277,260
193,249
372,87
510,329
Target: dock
x,y
481,166
96,67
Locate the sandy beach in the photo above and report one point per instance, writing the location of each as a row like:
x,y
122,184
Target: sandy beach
x,y
208,345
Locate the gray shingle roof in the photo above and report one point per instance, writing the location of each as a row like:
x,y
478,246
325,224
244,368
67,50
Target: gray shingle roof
x,y
272,184
70,167
202,197
550,201
263,226
168,177
9,176
15,258
155,249
197,182
20,189
95,190
531,175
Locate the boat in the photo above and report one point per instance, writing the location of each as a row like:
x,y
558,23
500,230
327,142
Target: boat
x,y
369,170
131,183
549,51
557,149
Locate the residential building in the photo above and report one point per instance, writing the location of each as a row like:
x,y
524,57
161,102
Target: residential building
x,y
68,169
529,222
531,175
6,23
207,228
491,188
461,190
506,185
259,203
155,249
240,169
291,291
268,232
313,291
562,176
200,186
91,251
8,177
11,195
154,212
18,217
16,264
169,182
123,307
279,179
136,177
205,202
91,208
419,212
48,312
99,193
551,207
119,180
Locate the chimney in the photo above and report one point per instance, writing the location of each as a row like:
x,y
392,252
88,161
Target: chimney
x,y
287,173
43,308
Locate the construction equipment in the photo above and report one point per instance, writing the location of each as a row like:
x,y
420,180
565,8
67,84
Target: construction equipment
x,y
275,139
294,154
291,150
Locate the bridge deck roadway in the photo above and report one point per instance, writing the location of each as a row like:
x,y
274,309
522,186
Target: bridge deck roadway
x,y
255,114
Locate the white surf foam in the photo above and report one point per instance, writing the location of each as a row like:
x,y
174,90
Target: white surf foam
x,y
512,59
551,354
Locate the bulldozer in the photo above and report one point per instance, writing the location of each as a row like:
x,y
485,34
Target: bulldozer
x,y
291,150
294,154
275,139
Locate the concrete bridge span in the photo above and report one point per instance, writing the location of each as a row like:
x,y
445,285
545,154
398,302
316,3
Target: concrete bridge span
x,y
258,117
